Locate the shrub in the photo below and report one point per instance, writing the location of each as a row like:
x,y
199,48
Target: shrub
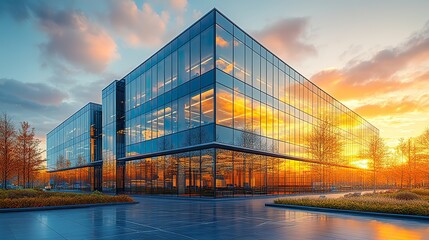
x,y
406,196
420,191
368,204
34,198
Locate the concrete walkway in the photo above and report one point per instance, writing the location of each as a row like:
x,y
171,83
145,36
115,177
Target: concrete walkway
x,y
156,218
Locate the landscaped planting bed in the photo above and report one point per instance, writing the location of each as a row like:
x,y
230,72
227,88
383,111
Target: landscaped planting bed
x,y
29,198
411,202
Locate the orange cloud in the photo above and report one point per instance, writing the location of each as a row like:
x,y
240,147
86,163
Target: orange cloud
x,y
221,42
395,107
178,5
337,83
143,27
381,74
74,38
286,38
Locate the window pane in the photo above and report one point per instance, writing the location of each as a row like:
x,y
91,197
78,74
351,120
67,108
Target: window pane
x,y
224,106
256,71
174,116
148,84
223,50
160,122
142,88
239,110
207,40
270,82
207,106
263,75
174,69
167,119
195,56
256,117
248,72
161,77
183,63
154,124
183,113
154,82
238,59
195,110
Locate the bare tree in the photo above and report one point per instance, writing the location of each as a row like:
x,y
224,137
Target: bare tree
x,y
28,154
325,146
7,149
376,152
423,141
423,146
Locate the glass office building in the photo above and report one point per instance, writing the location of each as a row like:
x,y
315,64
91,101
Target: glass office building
x,y
214,113
74,150
113,118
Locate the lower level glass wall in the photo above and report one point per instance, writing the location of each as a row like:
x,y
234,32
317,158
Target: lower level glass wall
x,y
82,179
224,173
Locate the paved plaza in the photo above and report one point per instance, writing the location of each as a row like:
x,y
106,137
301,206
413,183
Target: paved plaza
x,y
161,218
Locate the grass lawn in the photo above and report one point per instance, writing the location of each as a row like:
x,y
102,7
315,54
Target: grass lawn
x,y
411,202
35,198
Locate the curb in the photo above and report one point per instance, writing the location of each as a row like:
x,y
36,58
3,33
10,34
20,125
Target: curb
x,y
29,209
351,212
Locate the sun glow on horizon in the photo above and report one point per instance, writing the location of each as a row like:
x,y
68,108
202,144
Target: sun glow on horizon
x,y
363,163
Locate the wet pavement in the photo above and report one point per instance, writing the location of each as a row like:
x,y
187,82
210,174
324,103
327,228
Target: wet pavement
x,y
163,218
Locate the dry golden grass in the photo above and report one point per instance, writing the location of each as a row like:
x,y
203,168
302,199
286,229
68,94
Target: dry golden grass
x,y
34,198
382,203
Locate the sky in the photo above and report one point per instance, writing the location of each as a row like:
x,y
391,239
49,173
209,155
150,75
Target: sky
x,y
371,55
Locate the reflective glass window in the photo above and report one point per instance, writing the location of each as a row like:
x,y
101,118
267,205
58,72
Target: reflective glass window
x,y
207,40
239,60
224,50
174,116
239,110
160,77
256,71
224,105
183,113
248,66
174,69
195,56
148,84
195,110
154,80
160,122
168,73
183,64
168,119
207,106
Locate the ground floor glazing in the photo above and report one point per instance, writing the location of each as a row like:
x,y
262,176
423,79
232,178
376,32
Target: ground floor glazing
x,y
218,173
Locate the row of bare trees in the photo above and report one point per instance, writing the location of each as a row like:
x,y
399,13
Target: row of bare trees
x,y
20,156
403,166
325,145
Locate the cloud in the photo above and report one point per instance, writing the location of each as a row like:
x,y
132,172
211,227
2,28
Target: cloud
x,y
41,105
143,27
196,14
287,38
19,10
178,5
393,106
74,38
389,70
30,95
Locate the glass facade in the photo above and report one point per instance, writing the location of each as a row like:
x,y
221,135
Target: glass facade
x,y
214,113
113,119
74,148
170,97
